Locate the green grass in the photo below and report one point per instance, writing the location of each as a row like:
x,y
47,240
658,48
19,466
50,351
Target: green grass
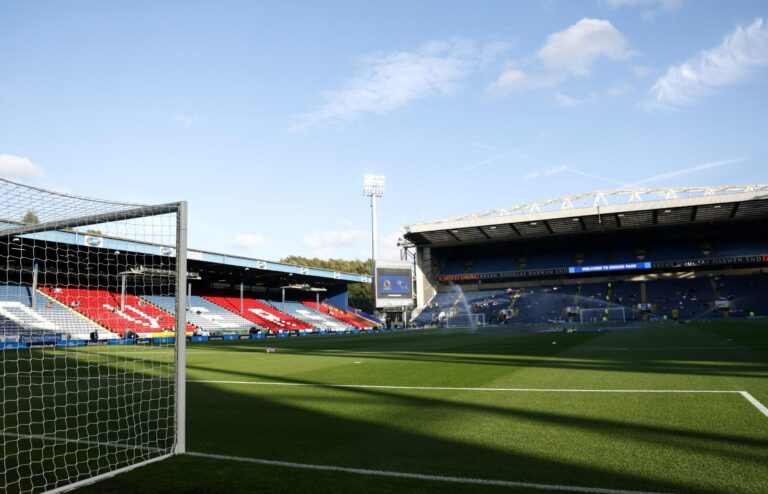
x,y
685,443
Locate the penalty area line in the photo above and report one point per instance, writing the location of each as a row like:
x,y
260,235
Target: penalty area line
x,y
751,399
418,476
754,401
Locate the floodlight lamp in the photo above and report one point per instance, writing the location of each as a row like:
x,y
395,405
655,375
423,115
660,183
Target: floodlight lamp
x,y
373,185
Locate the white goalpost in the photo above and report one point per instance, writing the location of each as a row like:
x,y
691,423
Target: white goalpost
x,y
601,315
93,376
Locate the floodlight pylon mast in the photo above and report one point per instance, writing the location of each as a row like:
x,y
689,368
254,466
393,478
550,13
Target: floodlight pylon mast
x,y
373,187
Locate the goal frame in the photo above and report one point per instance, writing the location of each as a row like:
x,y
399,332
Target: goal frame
x,y
478,320
602,311
179,209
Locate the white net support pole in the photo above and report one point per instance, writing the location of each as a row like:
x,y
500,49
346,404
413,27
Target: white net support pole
x,y
181,329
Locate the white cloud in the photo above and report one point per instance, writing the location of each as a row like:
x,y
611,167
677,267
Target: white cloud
x,y
687,171
390,81
545,173
619,90
187,120
350,244
665,4
18,167
651,7
573,51
248,240
597,177
486,161
513,80
732,61
387,248
335,238
569,102
642,71
698,170
576,48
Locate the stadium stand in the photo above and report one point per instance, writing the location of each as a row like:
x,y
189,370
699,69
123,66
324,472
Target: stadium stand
x,y
346,317
519,259
48,316
262,314
745,293
359,313
694,298
310,316
685,295
440,304
103,307
207,316
728,247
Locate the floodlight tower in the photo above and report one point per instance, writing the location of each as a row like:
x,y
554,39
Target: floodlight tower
x,y
373,187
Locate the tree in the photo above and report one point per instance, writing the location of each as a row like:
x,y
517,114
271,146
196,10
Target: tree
x,y
30,218
359,293
353,266
360,297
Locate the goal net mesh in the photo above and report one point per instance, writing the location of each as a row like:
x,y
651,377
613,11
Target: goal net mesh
x,y
87,361
605,314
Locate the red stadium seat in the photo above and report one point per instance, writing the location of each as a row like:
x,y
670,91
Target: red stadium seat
x,y
261,313
104,308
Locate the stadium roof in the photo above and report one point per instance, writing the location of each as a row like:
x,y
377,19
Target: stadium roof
x,y
106,243
603,210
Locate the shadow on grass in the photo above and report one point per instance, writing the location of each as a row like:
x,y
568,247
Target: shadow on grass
x,y
257,425
260,424
712,442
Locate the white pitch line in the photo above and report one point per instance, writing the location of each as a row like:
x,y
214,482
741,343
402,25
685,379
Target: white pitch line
x,y
762,408
418,476
450,388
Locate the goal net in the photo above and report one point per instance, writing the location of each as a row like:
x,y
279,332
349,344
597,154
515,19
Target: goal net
x,y
92,368
465,321
605,314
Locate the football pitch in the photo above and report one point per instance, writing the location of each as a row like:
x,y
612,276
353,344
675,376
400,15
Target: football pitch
x,y
650,410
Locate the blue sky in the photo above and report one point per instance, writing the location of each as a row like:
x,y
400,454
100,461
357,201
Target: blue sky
x,y
266,115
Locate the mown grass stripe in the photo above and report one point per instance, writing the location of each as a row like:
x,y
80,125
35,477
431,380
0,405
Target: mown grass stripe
x,y
419,476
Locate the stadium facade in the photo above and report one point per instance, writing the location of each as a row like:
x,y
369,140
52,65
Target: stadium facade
x,y
699,250
229,295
